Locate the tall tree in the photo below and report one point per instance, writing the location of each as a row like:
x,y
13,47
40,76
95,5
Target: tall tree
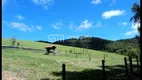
x,y
73,43
82,43
13,41
85,42
136,17
136,9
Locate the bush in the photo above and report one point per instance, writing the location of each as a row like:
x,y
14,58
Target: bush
x,y
132,52
18,44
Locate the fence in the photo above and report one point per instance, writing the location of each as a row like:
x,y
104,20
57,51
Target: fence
x,y
127,70
134,68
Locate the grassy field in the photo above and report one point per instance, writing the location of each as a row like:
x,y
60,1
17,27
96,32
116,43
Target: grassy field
x,y
35,65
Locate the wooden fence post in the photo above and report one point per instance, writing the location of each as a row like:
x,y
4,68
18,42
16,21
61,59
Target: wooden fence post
x,y
131,66
89,57
63,71
76,54
126,68
103,67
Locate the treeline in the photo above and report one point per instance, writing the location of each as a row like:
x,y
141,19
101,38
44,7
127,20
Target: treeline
x,y
129,47
43,41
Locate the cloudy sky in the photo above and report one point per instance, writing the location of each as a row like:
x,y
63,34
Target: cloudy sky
x,y
41,19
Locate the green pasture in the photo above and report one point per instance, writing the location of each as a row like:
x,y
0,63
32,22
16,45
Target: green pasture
x,y
35,65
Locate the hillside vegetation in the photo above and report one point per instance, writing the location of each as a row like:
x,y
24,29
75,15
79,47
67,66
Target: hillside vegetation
x,y
129,47
32,65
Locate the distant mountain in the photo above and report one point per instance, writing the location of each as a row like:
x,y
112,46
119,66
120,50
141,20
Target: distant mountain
x,y
134,41
128,47
92,43
43,41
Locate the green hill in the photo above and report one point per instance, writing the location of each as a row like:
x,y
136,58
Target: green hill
x,y
33,65
129,47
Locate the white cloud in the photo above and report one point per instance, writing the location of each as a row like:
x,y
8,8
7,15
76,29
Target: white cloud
x,y
21,26
57,25
44,3
39,27
131,32
112,13
124,23
134,30
96,1
20,17
85,25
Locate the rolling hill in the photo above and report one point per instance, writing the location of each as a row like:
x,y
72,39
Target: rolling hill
x,y
129,47
30,64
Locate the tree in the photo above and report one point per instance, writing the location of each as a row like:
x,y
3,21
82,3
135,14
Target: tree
x,y
72,43
13,41
136,9
84,42
136,18
18,44
81,43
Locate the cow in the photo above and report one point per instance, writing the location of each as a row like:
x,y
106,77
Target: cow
x,y
48,48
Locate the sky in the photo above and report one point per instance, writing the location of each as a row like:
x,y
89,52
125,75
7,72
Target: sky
x,y
52,20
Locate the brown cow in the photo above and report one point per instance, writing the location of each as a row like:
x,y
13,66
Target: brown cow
x,y
48,48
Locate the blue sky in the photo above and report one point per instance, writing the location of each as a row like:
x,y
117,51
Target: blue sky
x,y
60,19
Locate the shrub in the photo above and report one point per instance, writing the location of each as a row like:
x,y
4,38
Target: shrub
x,y
18,44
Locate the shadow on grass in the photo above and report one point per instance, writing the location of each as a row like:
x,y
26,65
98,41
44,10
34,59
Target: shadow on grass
x,y
116,72
46,53
112,73
82,75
